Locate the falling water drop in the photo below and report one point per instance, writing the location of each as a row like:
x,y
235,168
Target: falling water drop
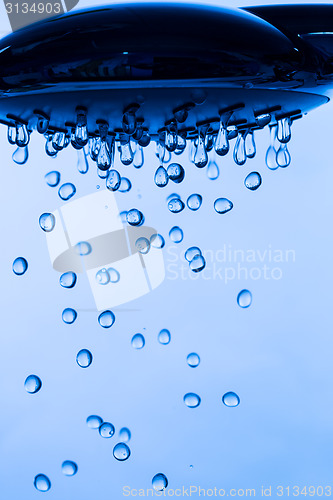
x,y
239,150
271,151
42,482
68,280
142,245
192,400
283,157
102,277
82,161
52,178
113,180
125,435
94,422
176,205
104,158
176,234
176,173
201,156
250,145
106,319
32,384
230,399
197,264
114,275
121,452
67,191
213,171
222,142
157,241
244,299
139,158
194,202
191,253
164,337
84,358
106,430
134,217
20,266
69,468
69,316
193,360
161,177
125,185
21,155
138,341
223,205
253,181
159,482
47,222
284,130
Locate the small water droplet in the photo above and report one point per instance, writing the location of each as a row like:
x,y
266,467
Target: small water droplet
x,y
250,145
271,151
139,158
164,336
192,400
42,482
244,298
194,202
142,245
138,341
114,275
213,171
125,435
94,422
222,141
82,161
21,155
253,181
193,360
84,358
102,277
68,280
106,319
106,430
157,241
67,191
125,185
32,384
176,234
197,264
161,177
69,315
52,178
134,217
20,266
159,482
201,156
113,180
191,253
176,173
47,222
11,134
239,151
223,205
83,248
121,452
69,468
284,130
22,135
176,205
230,399
126,153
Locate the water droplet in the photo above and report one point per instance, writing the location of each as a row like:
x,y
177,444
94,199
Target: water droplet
x,y
42,482
82,161
223,205
230,399
126,153
69,468
21,155
11,134
159,482
181,144
121,452
284,130
244,298
67,191
104,158
49,149
69,315
134,217
161,177
222,142
47,222
263,120
192,400
84,358
114,275
123,216
94,422
171,137
194,202
125,435
106,430
176,173
81,130
239,151
32,384
142,245
22,135
201,156
138,341
191,253
43,123
176,234
271,151
83,248
20,265
139,158
106,319
197,264
102,277
58,141
125,185
157,241
253,181
283,157
164,336
250,145
213,171
113,180
68,280
176,205
193,360
52,178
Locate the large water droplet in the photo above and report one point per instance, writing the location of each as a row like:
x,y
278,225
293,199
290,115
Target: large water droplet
x,y
193,360
284,130
69,315
213,171
106,319
191,253
52,178
142,245
114,275
69,468
67,191
82,161
161,177
32,384
197,264
104,158
125,435
20,266
138,341
176,173
159,482
223,205
271,151
244,298
194,202
230,399
113,180
134,217
239,151
283,157
176,205
157,241
125,185
106,430
121,452
250,145
94,422
102,277
47,222
176,234
42,482
68,280
164,336
253,181
84,358
21,155
192,400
